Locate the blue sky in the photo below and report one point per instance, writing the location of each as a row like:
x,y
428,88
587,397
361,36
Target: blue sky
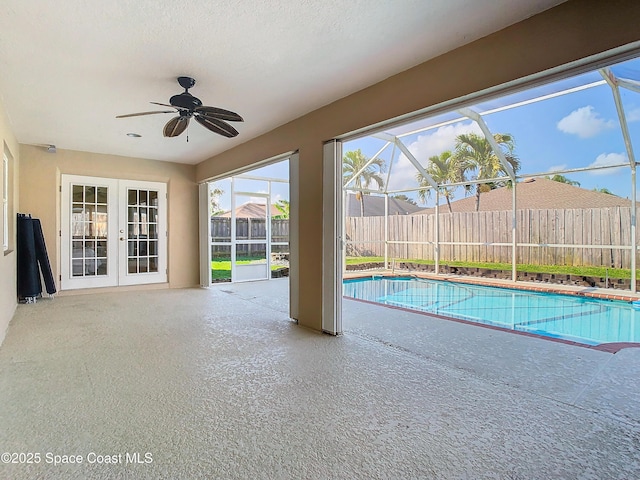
x,y
575,130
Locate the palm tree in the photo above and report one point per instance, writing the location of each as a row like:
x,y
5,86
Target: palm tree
x,y
604,190
474,153
214,201
283,208
352,163
563,179
442,169
404,198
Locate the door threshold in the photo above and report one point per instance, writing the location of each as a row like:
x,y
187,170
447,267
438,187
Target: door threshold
x,y
124,288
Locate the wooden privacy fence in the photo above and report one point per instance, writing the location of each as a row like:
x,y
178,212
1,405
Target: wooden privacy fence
x,y
247,229
537,232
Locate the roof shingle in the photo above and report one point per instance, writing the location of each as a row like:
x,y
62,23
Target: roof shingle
x,y
536,194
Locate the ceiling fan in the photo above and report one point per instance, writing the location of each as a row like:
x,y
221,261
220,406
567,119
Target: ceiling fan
x,y
187,106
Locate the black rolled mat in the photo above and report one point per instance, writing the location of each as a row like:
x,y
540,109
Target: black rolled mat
x,y
28,275
43,257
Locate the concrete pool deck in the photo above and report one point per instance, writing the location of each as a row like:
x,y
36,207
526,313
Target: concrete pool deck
x,y
219,383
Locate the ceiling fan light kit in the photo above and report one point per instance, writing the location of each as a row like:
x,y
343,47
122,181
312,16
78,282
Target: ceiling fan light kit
x,y
187,106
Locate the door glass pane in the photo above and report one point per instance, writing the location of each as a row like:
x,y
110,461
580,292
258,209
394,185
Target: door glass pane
x,y
101,193
90,267
89,222
153,215
142,255
77,193
90,249
76,270
77,219
102,249
153,264
90,194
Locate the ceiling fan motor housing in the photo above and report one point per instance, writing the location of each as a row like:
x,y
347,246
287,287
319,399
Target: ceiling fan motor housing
x,y
185,100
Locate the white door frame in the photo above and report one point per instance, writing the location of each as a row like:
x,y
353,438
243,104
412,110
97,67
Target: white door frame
x,y
67,280
332,241
294,238
138,278
116,239
204,226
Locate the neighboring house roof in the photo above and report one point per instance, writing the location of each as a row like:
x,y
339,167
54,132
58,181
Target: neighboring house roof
x,y
251,210
374,206
536,194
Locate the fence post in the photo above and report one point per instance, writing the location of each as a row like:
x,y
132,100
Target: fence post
x,y
386,230
436,247
514,239
634,241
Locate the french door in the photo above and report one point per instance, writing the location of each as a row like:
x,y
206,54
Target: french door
x,y
114,232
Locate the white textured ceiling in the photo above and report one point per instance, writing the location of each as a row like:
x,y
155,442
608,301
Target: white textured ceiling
x,y
68,67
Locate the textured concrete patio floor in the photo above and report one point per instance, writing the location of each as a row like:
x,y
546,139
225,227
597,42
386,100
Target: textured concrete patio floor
x,y
219,383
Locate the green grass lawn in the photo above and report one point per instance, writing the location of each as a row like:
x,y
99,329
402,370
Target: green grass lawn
x,y
556,269
221,269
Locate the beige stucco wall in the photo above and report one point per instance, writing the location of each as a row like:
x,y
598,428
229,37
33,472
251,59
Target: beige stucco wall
x,y
8,260
569,32
40,176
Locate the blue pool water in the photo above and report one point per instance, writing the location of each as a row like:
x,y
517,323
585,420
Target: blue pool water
x,y
579,319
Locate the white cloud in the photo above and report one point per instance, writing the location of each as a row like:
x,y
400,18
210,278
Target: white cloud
x,y
584,122
557,168
633,115
608,159
403,173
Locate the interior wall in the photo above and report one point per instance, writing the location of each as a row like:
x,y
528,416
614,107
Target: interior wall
x,y
566,33
8,286
40,178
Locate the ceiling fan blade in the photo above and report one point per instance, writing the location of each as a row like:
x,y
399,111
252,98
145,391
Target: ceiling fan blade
x,y
216,126
171,106
144,113
175,126
219,113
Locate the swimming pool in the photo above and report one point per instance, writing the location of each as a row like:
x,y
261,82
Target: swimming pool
x,y
578,319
